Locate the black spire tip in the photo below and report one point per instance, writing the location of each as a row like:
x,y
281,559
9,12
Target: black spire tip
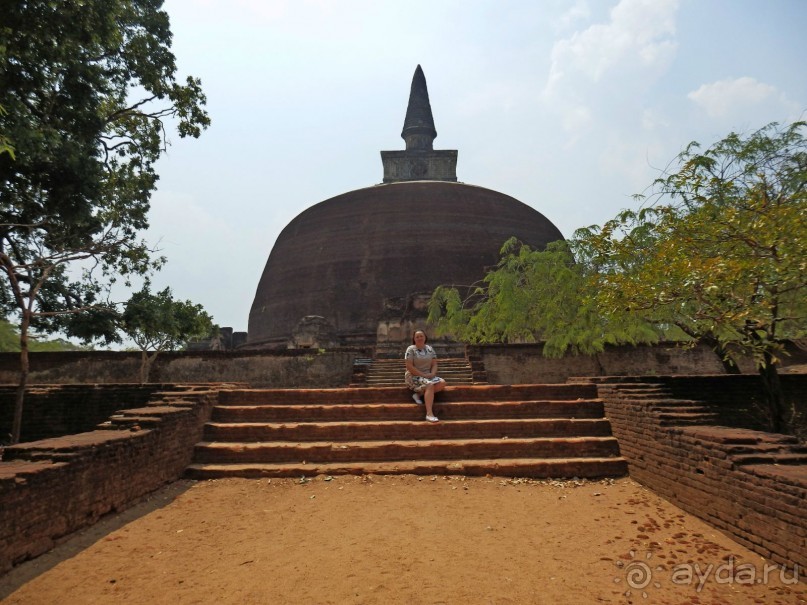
x,y
419,120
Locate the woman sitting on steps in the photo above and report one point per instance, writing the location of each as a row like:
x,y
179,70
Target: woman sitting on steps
x,y
421,373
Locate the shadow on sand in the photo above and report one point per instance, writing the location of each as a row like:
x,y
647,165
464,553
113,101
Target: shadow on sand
x,y
74,543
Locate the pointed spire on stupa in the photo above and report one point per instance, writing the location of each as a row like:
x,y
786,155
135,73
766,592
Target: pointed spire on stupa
x,y
419,161
418,130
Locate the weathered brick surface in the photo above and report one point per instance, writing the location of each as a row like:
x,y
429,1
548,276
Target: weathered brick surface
x,y
294,368
530,430
64,409
524,363
289,368
375,430
452,449
53,487
705,469
523,392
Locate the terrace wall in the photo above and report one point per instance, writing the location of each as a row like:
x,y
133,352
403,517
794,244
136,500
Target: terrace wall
x,y
749,484
54,487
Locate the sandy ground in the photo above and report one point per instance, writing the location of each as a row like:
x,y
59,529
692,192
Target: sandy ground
x,y
403,539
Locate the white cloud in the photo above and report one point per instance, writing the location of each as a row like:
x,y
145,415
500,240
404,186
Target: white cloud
x,y
638,32
621,56
736,97
579,12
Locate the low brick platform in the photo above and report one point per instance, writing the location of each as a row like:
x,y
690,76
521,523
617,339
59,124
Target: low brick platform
x,y
522,430
52,487
750,484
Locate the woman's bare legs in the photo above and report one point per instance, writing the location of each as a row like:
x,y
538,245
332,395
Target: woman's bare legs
x,y
428,395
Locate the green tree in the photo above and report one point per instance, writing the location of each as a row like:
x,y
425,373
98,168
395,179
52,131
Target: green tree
x,y
10,341
157,322
6,146
536,295
726,258
718,254
91,91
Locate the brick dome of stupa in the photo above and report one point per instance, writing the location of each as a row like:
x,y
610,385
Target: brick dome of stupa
x,y
342,259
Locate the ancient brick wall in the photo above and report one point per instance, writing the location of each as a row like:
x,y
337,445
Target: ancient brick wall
x,y
276,369
746,483
505,364
53,487
64,409
738,401
525,363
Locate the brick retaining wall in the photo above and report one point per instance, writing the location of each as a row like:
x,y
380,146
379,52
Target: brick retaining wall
x,y
64,409
526,364
53,487
272,369
743,482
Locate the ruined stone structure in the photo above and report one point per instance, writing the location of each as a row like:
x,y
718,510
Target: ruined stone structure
x,y
748,484
362,262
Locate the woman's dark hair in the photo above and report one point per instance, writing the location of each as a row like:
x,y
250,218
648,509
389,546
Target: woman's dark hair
x,y
424,335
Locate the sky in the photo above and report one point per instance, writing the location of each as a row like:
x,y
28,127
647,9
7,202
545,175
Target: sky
x,y
570,106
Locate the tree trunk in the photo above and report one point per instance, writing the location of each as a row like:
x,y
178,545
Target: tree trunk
x,y
729,367
600,367
774,396
16,426
145,365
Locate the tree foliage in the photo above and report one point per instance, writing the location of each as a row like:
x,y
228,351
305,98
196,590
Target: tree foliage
x,y
10,341
6,145
536,295
723,248
718,252
91,89
157,322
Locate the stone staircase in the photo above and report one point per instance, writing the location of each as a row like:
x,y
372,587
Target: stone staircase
x,y
658,400
741,446
520,430
390,372
387,372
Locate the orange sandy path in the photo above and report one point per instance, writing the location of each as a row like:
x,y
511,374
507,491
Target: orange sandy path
x,y
397,539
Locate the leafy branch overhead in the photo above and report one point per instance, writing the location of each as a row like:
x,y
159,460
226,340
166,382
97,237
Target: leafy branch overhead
x,y
91,92
89,117
720,249
716,254
536,295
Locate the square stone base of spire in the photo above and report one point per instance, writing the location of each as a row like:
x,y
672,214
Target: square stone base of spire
x,y
431,165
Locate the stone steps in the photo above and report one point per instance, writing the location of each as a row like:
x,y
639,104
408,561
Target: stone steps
x,y
500,467
771,458
773,449
400,394
515,430
346,412
390,372
658,400
406,429
405,449
748,447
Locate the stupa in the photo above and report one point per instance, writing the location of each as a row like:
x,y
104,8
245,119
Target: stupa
x,y
358,268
